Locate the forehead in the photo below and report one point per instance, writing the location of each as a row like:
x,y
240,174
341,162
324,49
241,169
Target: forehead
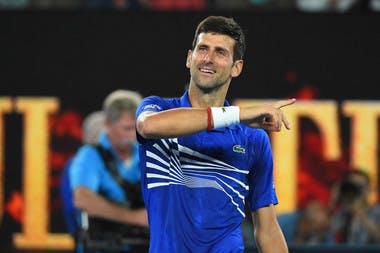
x,y
216,40
125,118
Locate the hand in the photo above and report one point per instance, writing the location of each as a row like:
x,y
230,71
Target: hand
x,y
136,217
268,117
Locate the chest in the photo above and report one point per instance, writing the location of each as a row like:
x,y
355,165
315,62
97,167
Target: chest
x,y
224,147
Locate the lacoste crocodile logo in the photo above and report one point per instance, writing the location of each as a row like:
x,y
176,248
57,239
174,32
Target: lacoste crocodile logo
x,y
238,149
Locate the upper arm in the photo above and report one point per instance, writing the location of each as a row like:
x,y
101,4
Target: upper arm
x,y
148,106
141,124
84,169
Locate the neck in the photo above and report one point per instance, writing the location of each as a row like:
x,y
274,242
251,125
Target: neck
x,y
124,154
211,97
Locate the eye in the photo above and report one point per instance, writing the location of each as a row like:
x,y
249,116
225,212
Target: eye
x,y
202,48
221,52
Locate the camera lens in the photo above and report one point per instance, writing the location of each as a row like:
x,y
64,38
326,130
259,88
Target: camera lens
x,y
349,190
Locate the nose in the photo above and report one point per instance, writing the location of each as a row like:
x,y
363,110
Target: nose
x,y
208,57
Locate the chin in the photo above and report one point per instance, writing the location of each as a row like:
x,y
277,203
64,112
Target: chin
x,y
207,88
126,147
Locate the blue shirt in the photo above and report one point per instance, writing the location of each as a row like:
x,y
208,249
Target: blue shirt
x,y
194,186
88,170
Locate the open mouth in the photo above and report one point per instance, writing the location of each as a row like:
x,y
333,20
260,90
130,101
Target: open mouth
x,y
207,71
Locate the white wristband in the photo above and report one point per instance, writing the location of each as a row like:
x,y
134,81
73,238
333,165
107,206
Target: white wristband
x,y
225,116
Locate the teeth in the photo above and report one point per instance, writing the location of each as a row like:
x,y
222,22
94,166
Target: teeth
x,y
207,71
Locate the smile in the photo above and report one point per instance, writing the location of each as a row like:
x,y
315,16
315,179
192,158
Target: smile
x,y
208,71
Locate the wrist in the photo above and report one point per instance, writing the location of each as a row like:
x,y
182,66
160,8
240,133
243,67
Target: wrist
x,y
219,117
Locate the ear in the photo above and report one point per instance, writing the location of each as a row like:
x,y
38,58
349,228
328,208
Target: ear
x,y
188,60
237,68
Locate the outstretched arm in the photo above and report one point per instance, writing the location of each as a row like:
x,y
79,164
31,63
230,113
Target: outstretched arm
x,y
171,123
186,121
267,231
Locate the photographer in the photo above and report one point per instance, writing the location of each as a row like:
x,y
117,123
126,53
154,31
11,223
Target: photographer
x,y
105,182
354,220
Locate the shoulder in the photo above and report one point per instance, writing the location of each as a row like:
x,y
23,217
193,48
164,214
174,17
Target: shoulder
x,y
152,99
158,103
86,153
87,149
256,135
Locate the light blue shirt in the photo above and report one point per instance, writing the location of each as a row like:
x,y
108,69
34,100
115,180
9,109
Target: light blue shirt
x,y
88,170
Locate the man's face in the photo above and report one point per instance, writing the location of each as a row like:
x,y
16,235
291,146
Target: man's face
x,y
122,132
211,63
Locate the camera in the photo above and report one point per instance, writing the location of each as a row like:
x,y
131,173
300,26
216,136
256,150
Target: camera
x,y
349,191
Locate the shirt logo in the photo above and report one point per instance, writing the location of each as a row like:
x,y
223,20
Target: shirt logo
x,y
152,106
238,149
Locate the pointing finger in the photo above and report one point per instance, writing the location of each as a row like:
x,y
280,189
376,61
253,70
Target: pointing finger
x,y
283,103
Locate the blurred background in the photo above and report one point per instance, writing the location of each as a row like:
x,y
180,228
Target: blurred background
x,y
60,58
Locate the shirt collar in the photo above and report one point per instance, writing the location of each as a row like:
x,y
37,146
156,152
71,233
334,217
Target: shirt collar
x,y
105,141
185,102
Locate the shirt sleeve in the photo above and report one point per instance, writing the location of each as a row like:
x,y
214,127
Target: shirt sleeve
x,y
152,103
261,182
84,170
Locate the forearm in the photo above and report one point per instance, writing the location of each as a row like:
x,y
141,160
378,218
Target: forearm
x,y
96,205
172,123
268,235
186,121
271,241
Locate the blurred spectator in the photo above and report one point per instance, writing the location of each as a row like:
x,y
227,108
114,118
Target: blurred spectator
x,y
92,126
229,5
308,225
14,4
116,4
165,5
100,186
252,4
272,4
354,219
338,6
95,188
55,4
374,5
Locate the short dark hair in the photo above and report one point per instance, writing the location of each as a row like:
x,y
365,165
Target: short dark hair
x,y
225,26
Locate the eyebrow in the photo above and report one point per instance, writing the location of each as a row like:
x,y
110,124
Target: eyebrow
x,y
217,48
